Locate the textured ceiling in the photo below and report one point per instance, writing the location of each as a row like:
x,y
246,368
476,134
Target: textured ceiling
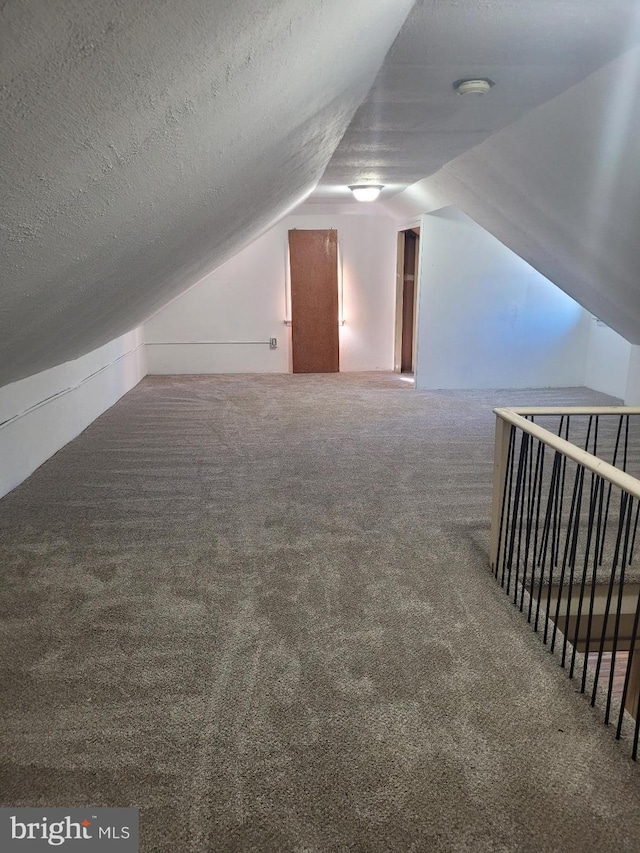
x,y
145,142
561,188
413,122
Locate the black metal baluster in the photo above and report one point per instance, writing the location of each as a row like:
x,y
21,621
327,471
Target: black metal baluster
x,y
572,564
543,448
562,488
526,440
516,502
541,548
636,733
574,548
592,510
506,504
554,516
557,535
579,470
606,515
593,423
527,538
627,678
600,490
635,530
589,427
551,502
612,578
628,503
544,542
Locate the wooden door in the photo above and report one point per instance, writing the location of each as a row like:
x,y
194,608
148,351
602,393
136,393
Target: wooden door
x,y
408,300
313,257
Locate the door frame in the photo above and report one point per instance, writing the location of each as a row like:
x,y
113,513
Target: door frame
x,y
400,271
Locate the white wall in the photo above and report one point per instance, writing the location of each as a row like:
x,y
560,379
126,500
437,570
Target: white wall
x,y
244,300
489,320
632,391
42,413
607,365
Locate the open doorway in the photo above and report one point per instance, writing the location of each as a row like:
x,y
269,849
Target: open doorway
x,y
406,299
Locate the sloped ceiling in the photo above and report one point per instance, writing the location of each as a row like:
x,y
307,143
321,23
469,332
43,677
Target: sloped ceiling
x,y
548,161
142,143
413,122
561,188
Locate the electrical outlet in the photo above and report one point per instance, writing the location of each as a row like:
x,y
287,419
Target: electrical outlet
x,y
273,343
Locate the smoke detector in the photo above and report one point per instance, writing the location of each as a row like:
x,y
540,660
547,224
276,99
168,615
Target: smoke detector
x,y
472,87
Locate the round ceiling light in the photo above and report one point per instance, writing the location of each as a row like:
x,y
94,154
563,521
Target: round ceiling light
x,y
472,87
366,192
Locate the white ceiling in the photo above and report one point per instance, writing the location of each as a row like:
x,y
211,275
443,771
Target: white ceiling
x,y
561,188
143,143
413,122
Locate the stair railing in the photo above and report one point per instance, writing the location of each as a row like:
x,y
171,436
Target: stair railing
x,y
563,533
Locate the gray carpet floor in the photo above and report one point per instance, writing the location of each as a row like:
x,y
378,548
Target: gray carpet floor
x,y
259,609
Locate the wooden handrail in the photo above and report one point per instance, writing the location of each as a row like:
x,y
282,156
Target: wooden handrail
x,y
603,469
600,609
571,410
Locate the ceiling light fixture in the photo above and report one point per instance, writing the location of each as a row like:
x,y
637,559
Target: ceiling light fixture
x,y
472,87
366,192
